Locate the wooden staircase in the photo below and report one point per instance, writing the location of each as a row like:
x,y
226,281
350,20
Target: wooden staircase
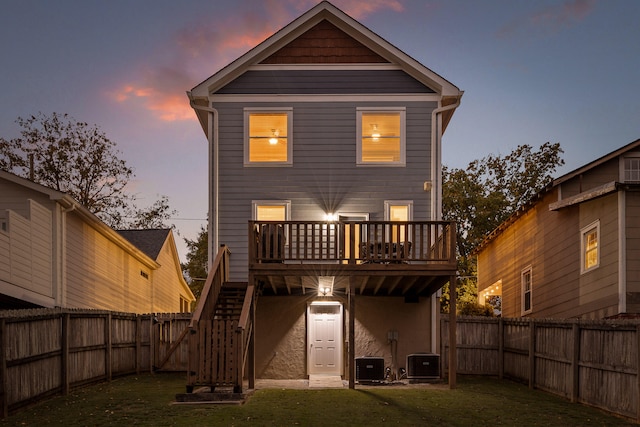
x,y
221,332
230,301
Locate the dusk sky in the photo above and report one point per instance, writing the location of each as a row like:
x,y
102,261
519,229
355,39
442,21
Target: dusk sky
x,y
532,72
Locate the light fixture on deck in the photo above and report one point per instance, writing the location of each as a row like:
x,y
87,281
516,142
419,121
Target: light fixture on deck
x,y
330,217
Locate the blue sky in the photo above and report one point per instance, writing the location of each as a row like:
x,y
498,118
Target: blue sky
x,y
532,72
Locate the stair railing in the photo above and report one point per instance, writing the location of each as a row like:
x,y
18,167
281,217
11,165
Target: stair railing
x,y
198,372
245,341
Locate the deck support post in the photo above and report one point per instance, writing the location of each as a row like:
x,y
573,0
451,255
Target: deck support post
x,y
352,333
251,362
453,357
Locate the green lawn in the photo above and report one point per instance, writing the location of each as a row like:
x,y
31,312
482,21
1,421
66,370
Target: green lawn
x,y
146,400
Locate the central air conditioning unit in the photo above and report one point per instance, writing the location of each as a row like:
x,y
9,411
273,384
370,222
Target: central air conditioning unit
x,y
369,368
423,365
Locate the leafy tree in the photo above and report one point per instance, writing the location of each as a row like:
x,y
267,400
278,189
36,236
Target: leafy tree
x,y
195,269
482,196
72,157
154,216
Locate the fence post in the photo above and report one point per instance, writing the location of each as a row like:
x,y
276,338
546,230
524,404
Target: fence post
x,y
64,356
638,372
453,356
575,363
107,350
4,404
501,348
532,353
138,343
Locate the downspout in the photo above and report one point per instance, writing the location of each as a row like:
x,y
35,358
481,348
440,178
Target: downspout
x,y
212,138
436,158
436,198
61,292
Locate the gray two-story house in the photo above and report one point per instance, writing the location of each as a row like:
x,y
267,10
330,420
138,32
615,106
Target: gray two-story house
x,y
325,195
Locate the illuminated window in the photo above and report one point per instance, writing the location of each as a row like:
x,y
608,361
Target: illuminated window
x,y
270,210
268,137
590,255
526,281
631,172
380,137
398,211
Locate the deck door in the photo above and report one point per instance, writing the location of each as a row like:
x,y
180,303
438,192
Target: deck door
x,y
357,230
324,337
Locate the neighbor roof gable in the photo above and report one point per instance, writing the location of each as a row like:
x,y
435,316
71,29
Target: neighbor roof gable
x,y
149,241
325,17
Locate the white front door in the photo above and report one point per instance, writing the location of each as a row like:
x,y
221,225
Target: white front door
x,y
324,334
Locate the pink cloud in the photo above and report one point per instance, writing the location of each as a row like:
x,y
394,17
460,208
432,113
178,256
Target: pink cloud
x,y
359,9
204,47
551,19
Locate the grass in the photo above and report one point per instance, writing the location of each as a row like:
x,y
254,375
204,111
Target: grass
x,y
145,400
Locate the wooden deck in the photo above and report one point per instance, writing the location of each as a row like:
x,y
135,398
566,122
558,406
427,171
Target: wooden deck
x,y
379,258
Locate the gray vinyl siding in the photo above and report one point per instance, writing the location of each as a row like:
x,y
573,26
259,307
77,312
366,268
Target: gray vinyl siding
x,y
633,251
324,176
301,82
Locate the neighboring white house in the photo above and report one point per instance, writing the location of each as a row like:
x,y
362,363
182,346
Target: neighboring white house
x,y
55,253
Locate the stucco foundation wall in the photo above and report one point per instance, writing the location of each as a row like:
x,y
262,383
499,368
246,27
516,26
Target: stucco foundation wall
x,y
376,316
281,335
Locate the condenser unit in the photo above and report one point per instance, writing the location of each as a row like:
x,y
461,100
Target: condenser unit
x,y
370,369
423,365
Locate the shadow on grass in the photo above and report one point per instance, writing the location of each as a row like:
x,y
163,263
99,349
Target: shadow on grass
x,y
146,400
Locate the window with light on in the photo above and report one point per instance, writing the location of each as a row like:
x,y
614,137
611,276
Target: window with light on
x,y
268,138
381,137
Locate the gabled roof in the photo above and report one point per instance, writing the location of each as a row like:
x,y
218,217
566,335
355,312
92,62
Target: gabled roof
x,y
604,189
321,12
631,146
148,241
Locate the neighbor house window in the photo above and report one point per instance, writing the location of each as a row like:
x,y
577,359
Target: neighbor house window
x,y
527,283
268,139
590,254
184,305
381,137
631,169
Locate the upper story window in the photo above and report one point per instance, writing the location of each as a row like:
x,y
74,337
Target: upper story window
x,y
590,242
631,169
381,137
267,140
526,280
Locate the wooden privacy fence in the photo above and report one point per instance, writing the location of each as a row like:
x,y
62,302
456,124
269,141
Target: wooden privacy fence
x,y
48,352
591,362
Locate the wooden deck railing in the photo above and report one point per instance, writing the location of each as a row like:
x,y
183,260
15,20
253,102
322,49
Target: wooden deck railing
x,y
352,242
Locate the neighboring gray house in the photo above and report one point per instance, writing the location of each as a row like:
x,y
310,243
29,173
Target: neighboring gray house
x,y
574,252
325,185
